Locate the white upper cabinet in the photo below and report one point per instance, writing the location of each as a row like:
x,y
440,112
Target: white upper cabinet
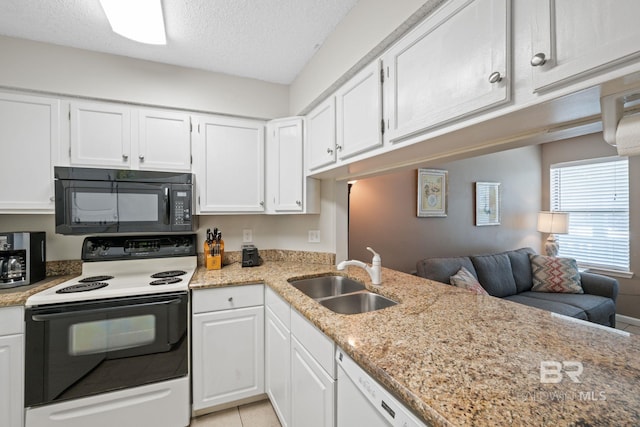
x,y
321,134
455,63
359,113
164,141
229,165
574,38
100,135
119,136
285,173
288,191
29,131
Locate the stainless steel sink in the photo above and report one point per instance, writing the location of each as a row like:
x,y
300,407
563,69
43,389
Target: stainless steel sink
x,y
360,302
327,286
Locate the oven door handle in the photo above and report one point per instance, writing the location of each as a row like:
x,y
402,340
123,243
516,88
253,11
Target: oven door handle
x,y
55,316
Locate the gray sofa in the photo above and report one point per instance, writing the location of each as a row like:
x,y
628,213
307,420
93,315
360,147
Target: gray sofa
x,y
508,275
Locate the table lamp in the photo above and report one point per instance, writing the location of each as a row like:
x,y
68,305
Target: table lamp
x,y
553,223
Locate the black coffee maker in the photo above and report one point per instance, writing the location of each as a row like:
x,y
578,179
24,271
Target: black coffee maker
x,y
22,258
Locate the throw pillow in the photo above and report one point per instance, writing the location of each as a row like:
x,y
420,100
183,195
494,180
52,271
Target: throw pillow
x,y
551,274
465,279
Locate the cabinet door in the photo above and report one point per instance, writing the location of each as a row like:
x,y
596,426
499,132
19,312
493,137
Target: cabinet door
x,y
12,383
278,366
578,37
285,165
100,135
454,64
359,113
312,390
164,141
230,165
228,356
29,134
321,134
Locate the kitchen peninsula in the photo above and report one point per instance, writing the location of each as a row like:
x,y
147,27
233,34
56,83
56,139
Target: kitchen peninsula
x,y
456,358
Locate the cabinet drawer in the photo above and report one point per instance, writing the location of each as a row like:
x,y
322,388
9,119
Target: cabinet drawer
x,y
321,347
278,306
226,298
11,320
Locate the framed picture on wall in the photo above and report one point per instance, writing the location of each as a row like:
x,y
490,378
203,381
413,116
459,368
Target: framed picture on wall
x,y
487,203
432,192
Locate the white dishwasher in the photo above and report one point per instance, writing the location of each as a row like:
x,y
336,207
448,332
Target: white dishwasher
x,y
362,401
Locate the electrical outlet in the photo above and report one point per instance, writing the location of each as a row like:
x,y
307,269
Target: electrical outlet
x,y
314,236
247,235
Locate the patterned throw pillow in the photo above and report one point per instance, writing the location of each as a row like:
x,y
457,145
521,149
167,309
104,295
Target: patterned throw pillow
x,y
465,279
551,274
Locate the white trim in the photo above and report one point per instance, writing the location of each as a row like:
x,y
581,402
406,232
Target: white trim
x,y
607,272
627,319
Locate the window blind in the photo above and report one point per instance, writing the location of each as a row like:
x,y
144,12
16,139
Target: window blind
x,y
596,196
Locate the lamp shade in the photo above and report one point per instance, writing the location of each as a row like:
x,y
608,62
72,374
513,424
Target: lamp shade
x,y
553,222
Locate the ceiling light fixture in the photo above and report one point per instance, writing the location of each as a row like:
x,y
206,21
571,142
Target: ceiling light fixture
x,y
139,20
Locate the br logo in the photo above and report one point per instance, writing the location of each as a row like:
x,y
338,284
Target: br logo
x,y
552,372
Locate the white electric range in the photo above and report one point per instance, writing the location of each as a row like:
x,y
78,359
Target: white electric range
x,y
112,345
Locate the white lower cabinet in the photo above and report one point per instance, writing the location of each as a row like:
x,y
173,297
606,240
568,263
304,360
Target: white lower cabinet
x,y
227,345
277,366
312,390
11,367
300,371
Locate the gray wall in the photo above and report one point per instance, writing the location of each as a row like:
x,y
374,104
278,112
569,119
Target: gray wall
x,y
589,147
383,211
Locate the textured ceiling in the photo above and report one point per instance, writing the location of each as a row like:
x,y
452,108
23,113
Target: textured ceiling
x,y
270,40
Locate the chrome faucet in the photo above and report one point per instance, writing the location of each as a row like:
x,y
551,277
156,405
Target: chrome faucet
x,y
375,271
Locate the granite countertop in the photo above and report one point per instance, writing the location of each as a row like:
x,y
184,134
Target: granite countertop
x,y
456,358
460,359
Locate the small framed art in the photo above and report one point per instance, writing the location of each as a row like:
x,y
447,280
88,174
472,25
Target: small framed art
x,y
487,203
432,192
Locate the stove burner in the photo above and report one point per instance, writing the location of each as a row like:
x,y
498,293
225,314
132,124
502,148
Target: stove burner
x,y
170,273
95,279
166,281
82,287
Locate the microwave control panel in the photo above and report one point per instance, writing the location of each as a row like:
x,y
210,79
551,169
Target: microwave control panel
x,y
181,207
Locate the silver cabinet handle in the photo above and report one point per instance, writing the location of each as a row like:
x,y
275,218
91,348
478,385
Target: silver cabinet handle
x,y
230,299
125,157
141,157
262,203
52,199
495,77
538,59
329,151
338,147
298,202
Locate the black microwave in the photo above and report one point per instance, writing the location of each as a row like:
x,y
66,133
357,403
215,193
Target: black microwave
x,y
91,200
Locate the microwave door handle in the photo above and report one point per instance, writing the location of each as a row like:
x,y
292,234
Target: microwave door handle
x,y
56,316
167,206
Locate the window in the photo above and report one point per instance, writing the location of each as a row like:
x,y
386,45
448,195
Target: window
x,y
595,193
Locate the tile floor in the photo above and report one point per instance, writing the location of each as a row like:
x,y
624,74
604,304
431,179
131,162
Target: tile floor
x,y
258,414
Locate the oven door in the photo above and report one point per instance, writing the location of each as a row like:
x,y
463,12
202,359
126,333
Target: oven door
x,y
81,349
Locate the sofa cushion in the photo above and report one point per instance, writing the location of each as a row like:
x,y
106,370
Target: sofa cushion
x,y
554,306
597,308
494,274
521,268
464,279
441,269
552,274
